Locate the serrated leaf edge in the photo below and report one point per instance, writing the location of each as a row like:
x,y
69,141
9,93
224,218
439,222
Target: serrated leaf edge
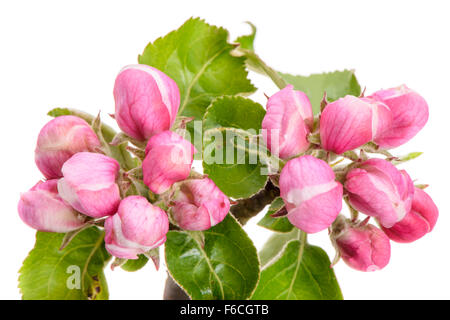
x,y
228,47
246,235
208,109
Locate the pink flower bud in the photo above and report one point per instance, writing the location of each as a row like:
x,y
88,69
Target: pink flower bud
x,y
137,227
89,184
286,123
168,160
410,114
60,139
147,101
43,209
379,190
199,204
418,222
312,196
351,122
364,248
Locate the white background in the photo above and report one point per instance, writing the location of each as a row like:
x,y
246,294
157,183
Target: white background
x,y
67,54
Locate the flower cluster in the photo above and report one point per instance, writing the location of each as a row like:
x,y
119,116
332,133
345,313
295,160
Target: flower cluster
x,y
316,179
84,185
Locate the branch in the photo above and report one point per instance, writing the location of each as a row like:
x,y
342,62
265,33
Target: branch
x,y
172,291
245,209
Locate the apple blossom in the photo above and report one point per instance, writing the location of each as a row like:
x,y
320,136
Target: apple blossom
x,y
364,248
378,189
168,160
410,114
43,209
137,227
287,122
199,204
147,101
312,196
351,122
89,184
418,222
60,139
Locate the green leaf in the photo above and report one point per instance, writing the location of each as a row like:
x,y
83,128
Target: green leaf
x,y
410,156
301,272
226,267
246,42
75,273
256,64
238,175
197,56
253,61
275,244
281,224
336,84
119,152
133,265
